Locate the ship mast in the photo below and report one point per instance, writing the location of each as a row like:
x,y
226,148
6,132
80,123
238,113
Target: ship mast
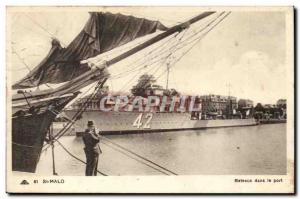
x,y
230,111
229,86
168,73
159,37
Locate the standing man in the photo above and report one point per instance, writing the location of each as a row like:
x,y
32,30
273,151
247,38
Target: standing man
x,y
91,149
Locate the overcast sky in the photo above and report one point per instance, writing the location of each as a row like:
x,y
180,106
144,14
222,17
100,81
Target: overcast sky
x,y
247,50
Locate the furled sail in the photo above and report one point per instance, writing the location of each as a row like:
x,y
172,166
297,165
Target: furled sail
x,y
102,32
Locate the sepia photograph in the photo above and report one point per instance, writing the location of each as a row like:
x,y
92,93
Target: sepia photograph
x,y
129,99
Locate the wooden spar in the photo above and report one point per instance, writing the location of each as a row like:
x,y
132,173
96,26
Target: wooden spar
x,y
91,75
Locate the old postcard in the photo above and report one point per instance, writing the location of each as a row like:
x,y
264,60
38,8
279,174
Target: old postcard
x,y
150,99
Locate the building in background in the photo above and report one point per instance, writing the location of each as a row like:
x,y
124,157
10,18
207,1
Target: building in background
x,y
245,103
271,111
154,89
218,104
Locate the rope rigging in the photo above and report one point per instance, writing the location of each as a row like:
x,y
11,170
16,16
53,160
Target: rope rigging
x,y
158,52
124,151
137,155
79,112
75,157
152,18
158,55
136,159
43,28
180,41
159,62
205,33
154,65
148,55
20,58
172,49
116,147
99,86
172,37
196,42
42,34
81,95
162,52
128,83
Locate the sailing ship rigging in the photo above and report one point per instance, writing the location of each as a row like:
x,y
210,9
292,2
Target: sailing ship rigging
x,y
33,112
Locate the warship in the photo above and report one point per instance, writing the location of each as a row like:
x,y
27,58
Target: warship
x,y
119,118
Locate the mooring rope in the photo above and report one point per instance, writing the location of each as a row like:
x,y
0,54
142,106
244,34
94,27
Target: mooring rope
x,y
137,155
122,151
75,157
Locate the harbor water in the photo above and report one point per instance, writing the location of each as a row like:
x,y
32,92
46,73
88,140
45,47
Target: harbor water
x,y
253,150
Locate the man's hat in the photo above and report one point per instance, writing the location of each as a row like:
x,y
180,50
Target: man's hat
x,y
90,123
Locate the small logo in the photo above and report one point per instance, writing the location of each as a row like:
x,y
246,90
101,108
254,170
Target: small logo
x,y
24,182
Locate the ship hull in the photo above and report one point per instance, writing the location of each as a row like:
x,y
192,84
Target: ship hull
x,y
272,121
134,122
29,131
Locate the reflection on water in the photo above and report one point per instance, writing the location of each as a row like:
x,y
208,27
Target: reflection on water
x,y
240,150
